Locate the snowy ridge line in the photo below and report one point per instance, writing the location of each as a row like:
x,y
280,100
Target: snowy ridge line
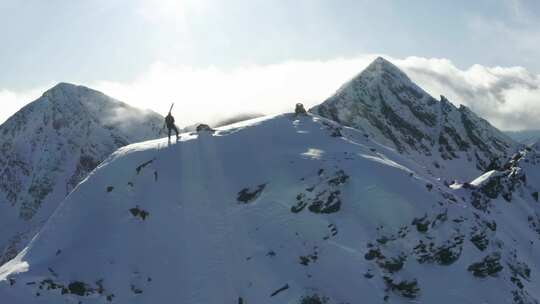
x,y
246,205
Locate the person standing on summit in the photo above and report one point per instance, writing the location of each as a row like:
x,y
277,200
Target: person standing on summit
x,y
169,122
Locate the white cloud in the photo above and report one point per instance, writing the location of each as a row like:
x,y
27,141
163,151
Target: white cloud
x,y
11,101
509,97
211,94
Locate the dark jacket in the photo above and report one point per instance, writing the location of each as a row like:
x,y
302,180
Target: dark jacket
x,y
169,120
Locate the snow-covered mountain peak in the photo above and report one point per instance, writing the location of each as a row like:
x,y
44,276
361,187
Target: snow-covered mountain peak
x,y
65,87
68,104
50,133
385,104
381,64
382,73
76,96
51,144
381,67
67,94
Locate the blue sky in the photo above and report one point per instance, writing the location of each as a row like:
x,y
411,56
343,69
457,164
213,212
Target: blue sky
x,y
118,44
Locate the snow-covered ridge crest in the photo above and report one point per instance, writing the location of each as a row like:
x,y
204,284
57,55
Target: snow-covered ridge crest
x,y
279,209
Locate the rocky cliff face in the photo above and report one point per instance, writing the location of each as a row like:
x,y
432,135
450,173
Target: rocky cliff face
x,y
50,145
385,104
517,179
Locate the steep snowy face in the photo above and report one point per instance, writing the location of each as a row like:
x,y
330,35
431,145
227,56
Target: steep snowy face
x,y
384,103
50,145
278,209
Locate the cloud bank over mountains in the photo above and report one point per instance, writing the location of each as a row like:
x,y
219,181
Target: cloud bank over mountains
x,y
509,97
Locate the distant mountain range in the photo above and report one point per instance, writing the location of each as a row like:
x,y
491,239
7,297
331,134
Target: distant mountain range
x,y
527,137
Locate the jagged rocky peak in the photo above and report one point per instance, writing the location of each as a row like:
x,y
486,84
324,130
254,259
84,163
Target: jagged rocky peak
x,y
381,67
386,105
381,73
444,100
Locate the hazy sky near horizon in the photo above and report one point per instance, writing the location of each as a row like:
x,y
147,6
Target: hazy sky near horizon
x,y
215,58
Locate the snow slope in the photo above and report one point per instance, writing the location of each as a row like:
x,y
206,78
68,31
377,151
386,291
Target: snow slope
x,y
452,143
278,209
50,145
